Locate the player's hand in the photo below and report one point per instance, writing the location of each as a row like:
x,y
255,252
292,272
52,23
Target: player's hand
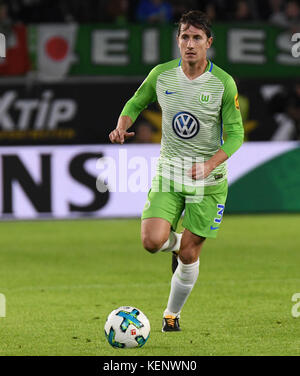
x,y
200,171
118,136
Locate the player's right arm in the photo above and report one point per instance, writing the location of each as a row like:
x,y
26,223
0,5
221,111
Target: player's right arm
x,y
120,134
144,95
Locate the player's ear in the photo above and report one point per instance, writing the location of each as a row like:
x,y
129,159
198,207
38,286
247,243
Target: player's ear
x,y
209,42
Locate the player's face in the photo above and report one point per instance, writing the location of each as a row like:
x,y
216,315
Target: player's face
x,y
193,43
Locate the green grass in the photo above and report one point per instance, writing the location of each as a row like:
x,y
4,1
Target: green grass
x,y
61,279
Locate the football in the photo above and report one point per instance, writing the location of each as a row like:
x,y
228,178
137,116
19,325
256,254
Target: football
x,y
127,327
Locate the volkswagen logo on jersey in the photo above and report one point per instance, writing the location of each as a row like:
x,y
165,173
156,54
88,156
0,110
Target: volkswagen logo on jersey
x,y
185,125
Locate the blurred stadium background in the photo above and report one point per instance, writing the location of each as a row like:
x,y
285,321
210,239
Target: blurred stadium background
x,y
70,67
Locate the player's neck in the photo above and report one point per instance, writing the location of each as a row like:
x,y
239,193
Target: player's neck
x,y
195,70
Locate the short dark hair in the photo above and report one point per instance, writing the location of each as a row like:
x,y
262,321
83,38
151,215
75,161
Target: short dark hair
x,y
197,19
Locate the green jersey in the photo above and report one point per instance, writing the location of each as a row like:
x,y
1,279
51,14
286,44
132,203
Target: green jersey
x,y
194,114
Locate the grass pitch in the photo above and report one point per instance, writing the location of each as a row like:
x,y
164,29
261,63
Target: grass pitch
x,y
61,279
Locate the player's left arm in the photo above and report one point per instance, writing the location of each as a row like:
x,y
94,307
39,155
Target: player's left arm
x,y
232,119
233,127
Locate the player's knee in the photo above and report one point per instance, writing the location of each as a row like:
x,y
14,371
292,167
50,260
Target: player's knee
x,y
188,256
190,250
151,244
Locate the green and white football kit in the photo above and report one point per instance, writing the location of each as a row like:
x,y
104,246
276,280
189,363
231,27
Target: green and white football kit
x,y
194,114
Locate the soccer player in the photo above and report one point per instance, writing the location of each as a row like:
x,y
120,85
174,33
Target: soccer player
x,y
198,100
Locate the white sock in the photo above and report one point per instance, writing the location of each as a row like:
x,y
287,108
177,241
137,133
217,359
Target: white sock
x,y
173,243
182,283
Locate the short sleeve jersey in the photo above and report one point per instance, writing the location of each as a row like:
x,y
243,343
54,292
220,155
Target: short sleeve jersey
x,y
194,113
